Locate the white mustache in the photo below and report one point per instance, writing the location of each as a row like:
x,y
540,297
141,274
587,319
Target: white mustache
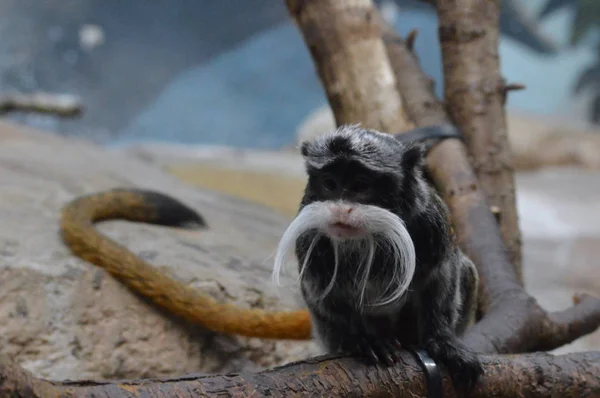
x,y
385,231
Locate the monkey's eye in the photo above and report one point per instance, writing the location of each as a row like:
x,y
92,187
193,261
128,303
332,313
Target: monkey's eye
x,y
329,183
360,185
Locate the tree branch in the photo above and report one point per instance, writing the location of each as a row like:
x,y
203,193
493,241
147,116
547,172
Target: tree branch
x,y
527,375
63,105
453,175
514,321
475,93
570,324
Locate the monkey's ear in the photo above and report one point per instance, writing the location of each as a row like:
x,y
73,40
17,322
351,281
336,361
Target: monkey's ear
x,y
305,148
413,156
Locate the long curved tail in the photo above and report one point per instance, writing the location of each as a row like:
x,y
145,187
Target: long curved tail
x,y
84,240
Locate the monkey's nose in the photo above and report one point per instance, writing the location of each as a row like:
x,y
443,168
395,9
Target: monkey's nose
x,y
342,212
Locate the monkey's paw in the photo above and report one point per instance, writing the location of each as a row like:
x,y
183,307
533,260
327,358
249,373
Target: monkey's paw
x,y
386,351
462,364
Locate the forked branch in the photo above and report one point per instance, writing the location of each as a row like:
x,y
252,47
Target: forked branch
x,y
514,321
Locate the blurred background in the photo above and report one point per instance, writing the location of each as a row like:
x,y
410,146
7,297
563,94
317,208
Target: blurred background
x,y
237,73
203,98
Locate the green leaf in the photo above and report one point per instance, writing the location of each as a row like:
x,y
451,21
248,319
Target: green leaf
x,y
587,16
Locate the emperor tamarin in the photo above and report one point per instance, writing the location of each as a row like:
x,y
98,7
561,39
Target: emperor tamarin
x,y
378,265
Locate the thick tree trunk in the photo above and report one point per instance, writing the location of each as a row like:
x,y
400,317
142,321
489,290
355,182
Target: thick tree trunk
x,y
526,376
344,40
475,95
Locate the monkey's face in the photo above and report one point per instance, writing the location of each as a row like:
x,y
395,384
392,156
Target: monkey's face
x,y
358,182
343,188
361,166
349,180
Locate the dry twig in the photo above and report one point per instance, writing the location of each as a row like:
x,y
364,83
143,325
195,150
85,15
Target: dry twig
x,y
64,105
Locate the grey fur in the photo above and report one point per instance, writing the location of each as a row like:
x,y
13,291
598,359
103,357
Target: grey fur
x,y
371,147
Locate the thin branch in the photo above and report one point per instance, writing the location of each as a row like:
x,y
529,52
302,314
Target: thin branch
x,y
505,88
64,105
410,39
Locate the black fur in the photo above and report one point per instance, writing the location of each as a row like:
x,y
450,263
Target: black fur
x,y
428,136
166,210
438,302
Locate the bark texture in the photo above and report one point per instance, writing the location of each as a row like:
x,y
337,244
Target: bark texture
x,y
526,376
513,320
455,179
475,94
344,40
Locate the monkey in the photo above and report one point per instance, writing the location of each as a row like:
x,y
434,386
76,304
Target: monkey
x,y
78,232
377,263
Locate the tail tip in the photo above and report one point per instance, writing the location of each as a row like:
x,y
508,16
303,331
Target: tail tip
x,y
172,212
198,223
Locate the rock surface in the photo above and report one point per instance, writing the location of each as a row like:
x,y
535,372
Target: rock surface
x,y
61,317
271,178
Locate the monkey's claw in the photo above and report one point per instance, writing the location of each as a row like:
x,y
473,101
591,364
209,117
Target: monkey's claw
x,y
380,351
466,371
463,364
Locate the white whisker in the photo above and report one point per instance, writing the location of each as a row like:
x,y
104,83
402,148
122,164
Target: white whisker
x,y
310,217
363,254
405,258
336,257
385,233
396,256
308,253
368,262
